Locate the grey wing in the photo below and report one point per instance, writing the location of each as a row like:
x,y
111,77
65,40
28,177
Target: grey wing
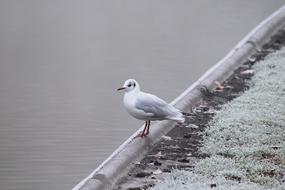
x,y
153,105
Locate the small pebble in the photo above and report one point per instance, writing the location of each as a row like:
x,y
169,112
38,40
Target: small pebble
x,y
183,160
156,163
142,174
187,136
134,188
213,185
156,172
168,138
166,170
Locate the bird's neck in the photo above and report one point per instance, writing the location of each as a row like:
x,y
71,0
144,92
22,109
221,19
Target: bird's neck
x,y
133,92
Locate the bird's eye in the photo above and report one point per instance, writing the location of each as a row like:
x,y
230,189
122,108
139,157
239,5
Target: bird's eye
x,y
129,85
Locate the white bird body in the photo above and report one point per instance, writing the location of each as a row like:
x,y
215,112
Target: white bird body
x,y
145,106
148,107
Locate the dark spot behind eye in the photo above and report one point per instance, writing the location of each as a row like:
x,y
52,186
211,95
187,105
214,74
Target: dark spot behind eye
x,y
134,84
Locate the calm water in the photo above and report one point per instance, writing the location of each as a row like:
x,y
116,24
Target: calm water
x,y
61,61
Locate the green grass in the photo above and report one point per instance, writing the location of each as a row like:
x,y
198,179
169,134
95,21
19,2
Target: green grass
x,y
246,139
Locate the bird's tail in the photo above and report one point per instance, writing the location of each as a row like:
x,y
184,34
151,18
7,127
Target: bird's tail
x,y
179,119
182,118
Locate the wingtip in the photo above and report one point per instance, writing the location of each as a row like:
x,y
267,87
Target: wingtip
x,y
186,114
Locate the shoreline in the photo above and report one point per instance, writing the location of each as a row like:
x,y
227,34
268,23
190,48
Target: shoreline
x,y
180,149
125,157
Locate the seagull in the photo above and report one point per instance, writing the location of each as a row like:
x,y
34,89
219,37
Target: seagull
x,y
148,107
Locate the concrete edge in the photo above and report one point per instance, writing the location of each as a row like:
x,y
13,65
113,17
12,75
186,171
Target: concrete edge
x,y
118,163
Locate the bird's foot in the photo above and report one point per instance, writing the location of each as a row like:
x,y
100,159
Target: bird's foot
x,y
141,135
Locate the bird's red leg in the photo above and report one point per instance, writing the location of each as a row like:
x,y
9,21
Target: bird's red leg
x,y
147,131
145,126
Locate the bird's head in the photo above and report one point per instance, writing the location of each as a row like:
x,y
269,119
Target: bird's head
x,y
130,85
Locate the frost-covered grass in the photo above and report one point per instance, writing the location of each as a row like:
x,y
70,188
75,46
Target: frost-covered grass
x,y
246,139
186,180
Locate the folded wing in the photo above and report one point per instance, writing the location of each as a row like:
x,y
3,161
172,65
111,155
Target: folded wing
x,y
152,104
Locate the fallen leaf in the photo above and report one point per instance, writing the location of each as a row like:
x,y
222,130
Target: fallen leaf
x,y
219,86
157,155
192,126
137,162
156,172
168,138
246,72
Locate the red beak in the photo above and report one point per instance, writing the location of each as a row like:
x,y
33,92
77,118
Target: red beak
x,y
122,88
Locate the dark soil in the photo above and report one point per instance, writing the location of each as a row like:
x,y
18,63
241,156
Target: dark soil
x,y
180,148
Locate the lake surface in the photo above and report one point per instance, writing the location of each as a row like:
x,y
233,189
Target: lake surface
x,y
62,61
